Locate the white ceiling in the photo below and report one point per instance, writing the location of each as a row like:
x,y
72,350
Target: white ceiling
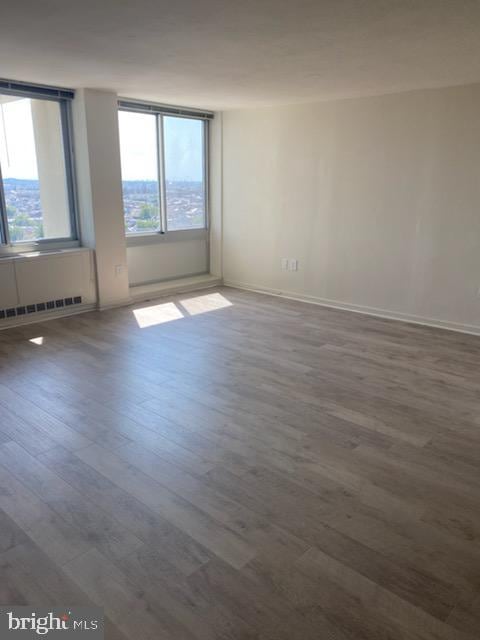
x,y
241,53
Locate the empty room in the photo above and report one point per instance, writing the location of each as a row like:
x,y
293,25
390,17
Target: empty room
x,y
240,319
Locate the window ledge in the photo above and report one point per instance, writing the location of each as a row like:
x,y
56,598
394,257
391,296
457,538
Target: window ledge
x,y
40,253
138,240
45,246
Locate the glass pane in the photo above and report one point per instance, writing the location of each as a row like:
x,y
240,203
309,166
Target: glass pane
x,y
184,175
33,168
138,150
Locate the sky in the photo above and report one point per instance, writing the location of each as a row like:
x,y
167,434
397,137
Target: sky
x,y
183,145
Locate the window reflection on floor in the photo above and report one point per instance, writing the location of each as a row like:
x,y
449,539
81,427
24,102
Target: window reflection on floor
x,y
169,311
205,303
158,314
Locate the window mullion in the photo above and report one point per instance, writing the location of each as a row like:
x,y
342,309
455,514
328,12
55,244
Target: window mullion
x,y
4,235
67,139
206,172
161,175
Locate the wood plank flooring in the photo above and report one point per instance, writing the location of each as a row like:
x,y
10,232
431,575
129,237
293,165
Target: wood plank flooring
x,y
227,465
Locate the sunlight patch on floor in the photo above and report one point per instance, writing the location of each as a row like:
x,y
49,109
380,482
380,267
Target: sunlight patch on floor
x,y
158,314
169,311
205,303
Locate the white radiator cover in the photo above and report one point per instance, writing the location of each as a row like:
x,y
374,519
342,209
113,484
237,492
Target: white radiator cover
x,y
32,278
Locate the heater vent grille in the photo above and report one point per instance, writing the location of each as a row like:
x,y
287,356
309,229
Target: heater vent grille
x,y
28,309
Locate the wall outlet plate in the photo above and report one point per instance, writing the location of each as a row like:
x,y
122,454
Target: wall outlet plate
x,y
284,264
293,264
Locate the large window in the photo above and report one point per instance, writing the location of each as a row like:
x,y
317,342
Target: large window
x,y
36,183
163,172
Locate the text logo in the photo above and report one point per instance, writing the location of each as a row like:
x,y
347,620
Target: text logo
x,y
84,623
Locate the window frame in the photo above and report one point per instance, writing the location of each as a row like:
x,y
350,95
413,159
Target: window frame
x,y
63,97
161,111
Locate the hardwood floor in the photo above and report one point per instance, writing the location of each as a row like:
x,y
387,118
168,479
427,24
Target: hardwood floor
x,y
227,465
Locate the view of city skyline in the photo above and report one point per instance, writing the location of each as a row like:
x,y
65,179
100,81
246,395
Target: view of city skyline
x,y
185,205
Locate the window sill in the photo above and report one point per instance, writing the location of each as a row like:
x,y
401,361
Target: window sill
x,y
44,253
140,239
45,246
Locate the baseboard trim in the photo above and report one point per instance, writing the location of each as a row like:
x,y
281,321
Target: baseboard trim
x,y
148,283
145,293
369,311
125,302
45,316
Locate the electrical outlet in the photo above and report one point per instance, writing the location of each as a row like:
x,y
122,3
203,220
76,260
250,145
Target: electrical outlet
x,y
293,264
284,264
119,269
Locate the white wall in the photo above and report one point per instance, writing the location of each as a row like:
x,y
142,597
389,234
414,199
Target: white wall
x,y
166,259
99,183
216,194
378,199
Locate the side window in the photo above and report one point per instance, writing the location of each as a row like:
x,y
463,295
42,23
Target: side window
x,y
36,178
